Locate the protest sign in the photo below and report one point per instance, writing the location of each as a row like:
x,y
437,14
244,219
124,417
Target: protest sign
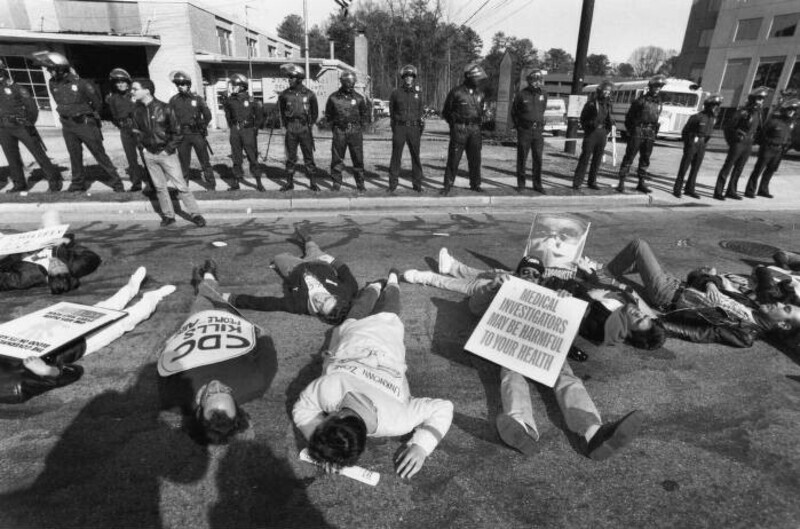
x,y
557,240
575,105
30,241
44,331
528,329
354,472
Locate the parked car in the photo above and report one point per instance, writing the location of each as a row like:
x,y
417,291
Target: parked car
x,y
555,116
380,108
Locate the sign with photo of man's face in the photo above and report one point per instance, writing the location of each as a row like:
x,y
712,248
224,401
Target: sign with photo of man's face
x,y
557,240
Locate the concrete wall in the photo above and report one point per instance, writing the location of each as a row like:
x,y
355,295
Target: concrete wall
x,y
171,21
204,30
702,17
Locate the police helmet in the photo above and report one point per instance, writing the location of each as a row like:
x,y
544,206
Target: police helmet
x,y
657,80
179,77
790,105
408,69
293,71
534,75
713,99
118,74
238,79
760,92
51,59
474,72
348,79
605,85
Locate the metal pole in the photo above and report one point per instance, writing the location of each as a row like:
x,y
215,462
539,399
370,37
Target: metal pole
x,y
305,23
580,64
247,45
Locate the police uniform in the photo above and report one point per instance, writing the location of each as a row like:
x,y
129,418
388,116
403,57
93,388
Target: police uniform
x,y
18,114
739,133
245,116
527,115
406,109
464,110
695,136
299,112
78,104
121,106
641,123
194,116
597,121
775,140
347,111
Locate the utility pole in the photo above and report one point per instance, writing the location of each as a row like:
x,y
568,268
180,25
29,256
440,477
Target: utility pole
x,y
587,11
305,32
247,45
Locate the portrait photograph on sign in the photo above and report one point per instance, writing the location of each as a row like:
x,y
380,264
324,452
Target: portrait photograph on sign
x,y
557,240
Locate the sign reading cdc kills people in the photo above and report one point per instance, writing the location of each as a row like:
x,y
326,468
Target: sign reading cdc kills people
x,y
30,241
528,329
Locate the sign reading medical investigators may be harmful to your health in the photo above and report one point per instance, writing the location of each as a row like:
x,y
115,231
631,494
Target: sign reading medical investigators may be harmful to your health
x,y
528,329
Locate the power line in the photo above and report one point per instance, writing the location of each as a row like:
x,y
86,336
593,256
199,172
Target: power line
x,y
475,13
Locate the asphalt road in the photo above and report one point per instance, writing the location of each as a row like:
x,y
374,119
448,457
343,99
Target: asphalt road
x,y
718,448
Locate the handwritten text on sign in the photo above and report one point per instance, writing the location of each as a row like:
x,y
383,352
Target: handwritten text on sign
x,y
528,329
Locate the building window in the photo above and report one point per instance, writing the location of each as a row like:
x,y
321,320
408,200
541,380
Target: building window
x,y
733,80
768,72
288,54
252,47
225,38
784,25
272,50
25,73
705,38
748,29
794,79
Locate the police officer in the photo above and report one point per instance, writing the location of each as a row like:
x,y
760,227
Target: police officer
x,y
527,116
695,136
299,112
18,114
775,140
78,104
194,116
406,111
347,111
641,123
464,110
245,116
120,103
597,122
739,131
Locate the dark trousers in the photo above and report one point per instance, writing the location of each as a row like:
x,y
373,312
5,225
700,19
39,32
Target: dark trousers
x,y
198,143
693,154
244,138
299,134
135,170
738,153
640,142
370,301
10,138
464,137
76,135
769,159
594,145
530,140
341,141
403,135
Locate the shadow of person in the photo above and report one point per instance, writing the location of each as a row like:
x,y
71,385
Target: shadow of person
x,y
107,466
257,489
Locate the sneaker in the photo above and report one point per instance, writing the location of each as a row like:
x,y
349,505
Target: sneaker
x,y
198,220
210,267
167,222
445,262
611,438
396,272
411,276
199,272
514,434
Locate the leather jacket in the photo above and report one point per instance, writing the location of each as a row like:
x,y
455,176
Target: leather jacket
x,y
709,325
121,107
597,113
464,105
743,125
644,112
17,105
156,127
347,108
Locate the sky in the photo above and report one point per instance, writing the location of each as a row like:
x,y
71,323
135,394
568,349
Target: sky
x,y
618,27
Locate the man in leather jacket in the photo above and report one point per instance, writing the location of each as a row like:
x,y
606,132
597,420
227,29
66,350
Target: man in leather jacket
x,y
194,116
159,134
641,123
121,104
597,122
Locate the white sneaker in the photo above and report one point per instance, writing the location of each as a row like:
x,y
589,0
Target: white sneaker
x,y
445,262
411,276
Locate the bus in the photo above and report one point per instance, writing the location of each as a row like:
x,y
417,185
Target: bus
x,y
680,99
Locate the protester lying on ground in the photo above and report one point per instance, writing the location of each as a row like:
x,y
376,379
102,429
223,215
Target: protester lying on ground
x,y
364,391
317,284
516,424
20,382
787,260
59,266
764,284
213,363
694,315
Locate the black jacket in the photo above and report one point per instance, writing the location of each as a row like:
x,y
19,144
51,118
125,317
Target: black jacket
x,y
464,105
700,126
347,108
298,104
121,107
17,105
597,113
17,274
158,128
192,112
709,325
743,125
644,111
528,108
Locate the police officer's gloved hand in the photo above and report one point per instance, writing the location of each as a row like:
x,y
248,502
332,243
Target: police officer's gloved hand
x,y
741,135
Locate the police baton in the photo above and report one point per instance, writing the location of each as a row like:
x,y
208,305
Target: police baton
x,y
271,131
36,136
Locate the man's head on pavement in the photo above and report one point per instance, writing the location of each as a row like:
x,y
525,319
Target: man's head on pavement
x,y
218,415
339,439
530,269
781,316
629,324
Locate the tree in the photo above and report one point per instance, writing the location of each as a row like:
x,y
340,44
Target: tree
x,y
317,43
523,50
647,60
292,29
624,69
558,60
670,66
597,64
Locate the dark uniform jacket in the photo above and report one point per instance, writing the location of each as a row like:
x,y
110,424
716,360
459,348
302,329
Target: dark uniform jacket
x,y
298,104
777,133
743,125
405,106
346,108
242,111
158,128
700,125
595,114
17,105
464,105
528,108
192,112
644,112
121,107
335,277
75,97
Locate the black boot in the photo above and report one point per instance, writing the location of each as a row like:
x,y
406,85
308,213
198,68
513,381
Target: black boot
x,y
642,187
312,182
289,185
623,174
359,177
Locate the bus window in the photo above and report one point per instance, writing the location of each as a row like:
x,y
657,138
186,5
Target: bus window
x,y
678,99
